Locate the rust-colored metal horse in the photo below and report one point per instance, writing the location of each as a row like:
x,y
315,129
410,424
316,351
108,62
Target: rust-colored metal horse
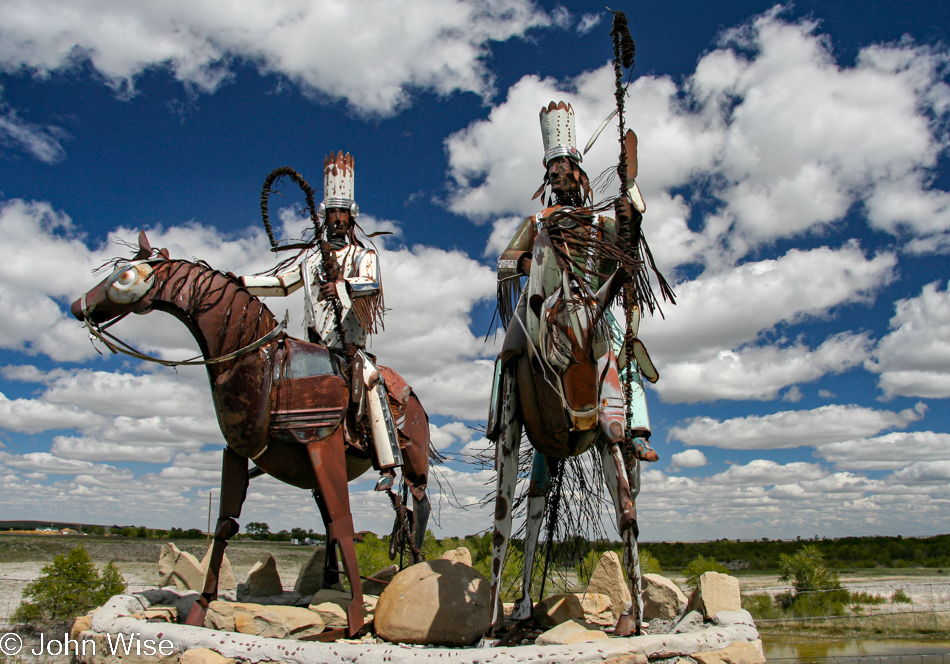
x,y
280,402
559,380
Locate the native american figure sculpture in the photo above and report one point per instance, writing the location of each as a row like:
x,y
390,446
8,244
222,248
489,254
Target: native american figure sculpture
x,y
569,374
343,293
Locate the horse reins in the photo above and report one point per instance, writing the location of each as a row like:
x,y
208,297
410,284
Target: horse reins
x,y
116,345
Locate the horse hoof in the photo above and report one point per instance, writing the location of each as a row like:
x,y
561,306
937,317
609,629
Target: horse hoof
x,y
624,626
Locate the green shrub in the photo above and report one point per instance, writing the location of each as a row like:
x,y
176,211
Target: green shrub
x,y
372,554
699,566
649,563
900,596
818,603
807,571
865,598
762,607
69,586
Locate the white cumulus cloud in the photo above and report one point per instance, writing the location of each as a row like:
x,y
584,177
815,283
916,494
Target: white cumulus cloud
x,y
792,428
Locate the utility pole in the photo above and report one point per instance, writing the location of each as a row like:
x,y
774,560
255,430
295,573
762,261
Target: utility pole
x,y
208,532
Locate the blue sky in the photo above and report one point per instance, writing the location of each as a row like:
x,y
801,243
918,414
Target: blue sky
x,y
794,162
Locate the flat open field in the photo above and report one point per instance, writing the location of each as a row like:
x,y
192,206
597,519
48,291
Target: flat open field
x,y
22,558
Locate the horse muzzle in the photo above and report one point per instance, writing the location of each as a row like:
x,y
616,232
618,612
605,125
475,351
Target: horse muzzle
x,y
76,310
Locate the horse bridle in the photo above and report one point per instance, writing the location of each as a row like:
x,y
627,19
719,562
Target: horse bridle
x,y
116,345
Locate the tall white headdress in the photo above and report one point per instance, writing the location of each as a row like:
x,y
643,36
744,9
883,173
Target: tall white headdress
x,y
557,130
338,184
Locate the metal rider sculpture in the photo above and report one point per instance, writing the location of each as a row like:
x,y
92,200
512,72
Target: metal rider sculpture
x,y
561,370
344,305
280,402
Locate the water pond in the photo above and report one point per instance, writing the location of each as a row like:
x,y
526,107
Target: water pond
x,y
815,650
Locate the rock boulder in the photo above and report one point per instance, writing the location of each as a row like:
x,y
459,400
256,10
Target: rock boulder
x,y
226,579
459,555
597,609
552,611
608,579
310,577
279,622
716,592
179,568
185,572
661,598
263,579
203,656
331,606
569,632
437,602
378,580
740,652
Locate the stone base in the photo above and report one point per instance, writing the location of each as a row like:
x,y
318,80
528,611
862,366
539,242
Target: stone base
x,y
117,617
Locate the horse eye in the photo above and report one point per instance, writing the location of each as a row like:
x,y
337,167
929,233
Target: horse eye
x,y
131,284
127,278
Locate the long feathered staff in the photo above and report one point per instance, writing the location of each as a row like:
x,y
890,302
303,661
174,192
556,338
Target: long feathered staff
x,y
629,209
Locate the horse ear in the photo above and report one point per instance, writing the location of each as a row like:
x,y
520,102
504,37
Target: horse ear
x,y
145,249
163,253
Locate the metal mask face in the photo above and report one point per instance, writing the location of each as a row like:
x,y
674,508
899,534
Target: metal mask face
x,y
561,176
339,222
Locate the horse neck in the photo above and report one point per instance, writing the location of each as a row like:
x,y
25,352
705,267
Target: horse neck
x,y
221,314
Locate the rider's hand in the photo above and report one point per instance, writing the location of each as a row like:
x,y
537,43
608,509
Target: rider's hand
x,y
624,211
524,264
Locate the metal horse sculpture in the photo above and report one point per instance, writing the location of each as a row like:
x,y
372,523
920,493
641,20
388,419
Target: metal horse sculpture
x,y
280,402
557,378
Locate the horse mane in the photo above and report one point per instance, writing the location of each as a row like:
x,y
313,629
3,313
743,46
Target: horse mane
x,y
197,289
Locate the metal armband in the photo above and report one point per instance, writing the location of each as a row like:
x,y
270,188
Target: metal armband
x,y
507,268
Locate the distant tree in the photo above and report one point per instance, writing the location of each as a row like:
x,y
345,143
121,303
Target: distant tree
x,y
699,566
67,587
258,530
649,563
372,554
142,532
807,571
298,533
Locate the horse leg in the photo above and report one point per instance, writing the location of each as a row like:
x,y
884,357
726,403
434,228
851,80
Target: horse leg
x,y
331,564
625,508
537,500
234,481
415,471
506,471
329,466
